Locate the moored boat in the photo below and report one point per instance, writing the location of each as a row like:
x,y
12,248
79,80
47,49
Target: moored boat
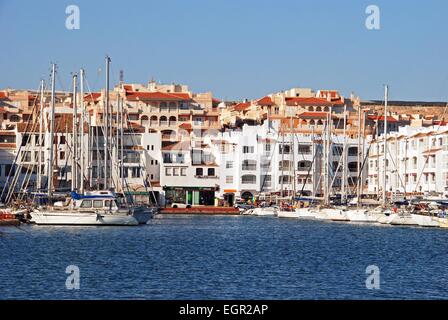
x,y
97,208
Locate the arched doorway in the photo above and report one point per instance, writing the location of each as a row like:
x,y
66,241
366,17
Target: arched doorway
x,y
247,196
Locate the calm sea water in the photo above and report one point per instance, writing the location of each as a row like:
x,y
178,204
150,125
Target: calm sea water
x,y
210,257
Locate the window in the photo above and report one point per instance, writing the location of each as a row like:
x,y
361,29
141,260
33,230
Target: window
x,y
229,179
249,165
10,169
285,179
152,147
26,156
183,172
86,204
108,204
152,177
152,162
135,172
62,140
248,149
62,155
199,171
124,173
248,179
167,171
175,171
267,147
229,164
304,149
304,165
147,147
266,181
285,165
284,149
98,203
211,172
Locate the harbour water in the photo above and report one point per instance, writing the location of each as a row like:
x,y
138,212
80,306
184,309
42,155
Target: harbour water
x,y
224,257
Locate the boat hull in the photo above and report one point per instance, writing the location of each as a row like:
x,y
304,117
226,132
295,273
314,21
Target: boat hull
x,y
288,214
77,218
305,213
425,221
362,216
143,215
335,215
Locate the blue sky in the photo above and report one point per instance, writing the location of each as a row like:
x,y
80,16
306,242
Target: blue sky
x,y
236,49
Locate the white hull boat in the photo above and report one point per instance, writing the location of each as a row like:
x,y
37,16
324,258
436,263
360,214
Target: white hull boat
x,y
362,215
320,214
403,220
305,213
288,214
336,214
265,212
425,221
249,212
53,217
386,219
95,208
443,222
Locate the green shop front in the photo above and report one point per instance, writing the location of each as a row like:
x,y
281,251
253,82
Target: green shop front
x,y
199,196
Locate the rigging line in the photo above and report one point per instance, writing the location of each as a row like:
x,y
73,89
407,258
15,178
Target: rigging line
x,y
16,158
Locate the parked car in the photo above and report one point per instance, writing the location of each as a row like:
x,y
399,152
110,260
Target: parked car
x,y
180,205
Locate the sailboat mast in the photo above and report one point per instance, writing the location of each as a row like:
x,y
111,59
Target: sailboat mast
x,y
106,127
50,158
41,123
358,165
121,148
82,153
293,166
326,159
344,160
74,136
386,92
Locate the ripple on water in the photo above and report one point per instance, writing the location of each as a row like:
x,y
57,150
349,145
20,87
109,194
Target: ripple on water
x,y
194,257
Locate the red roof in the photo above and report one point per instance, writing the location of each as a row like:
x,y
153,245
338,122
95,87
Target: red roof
x,y
134,96
179,146
265,101
242,106
334,94
128,87
381,118
92,97
314,115
185,126
296,101
3,95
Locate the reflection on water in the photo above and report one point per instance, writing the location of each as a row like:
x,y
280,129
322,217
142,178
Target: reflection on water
x,y
212,257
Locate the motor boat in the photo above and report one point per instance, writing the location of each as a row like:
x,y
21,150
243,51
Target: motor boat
x,y
95,208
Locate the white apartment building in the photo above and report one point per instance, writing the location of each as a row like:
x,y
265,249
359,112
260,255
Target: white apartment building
x,y
416,161
258,161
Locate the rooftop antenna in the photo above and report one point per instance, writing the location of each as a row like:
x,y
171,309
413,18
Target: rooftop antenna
x,y
121,76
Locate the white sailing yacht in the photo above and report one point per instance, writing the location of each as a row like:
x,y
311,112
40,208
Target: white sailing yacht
x,y
92,208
